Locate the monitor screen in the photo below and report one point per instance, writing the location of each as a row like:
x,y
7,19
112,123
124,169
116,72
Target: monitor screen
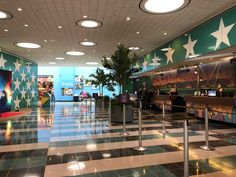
x,y
212,93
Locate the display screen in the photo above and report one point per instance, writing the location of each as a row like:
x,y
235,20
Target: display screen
x,y
211,93
67,91
5,91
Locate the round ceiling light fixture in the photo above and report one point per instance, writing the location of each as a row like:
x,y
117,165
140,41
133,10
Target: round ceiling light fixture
x,y
134,48
74,53
5,15
28,45
88,43
60,58
91,63
162,6
89,23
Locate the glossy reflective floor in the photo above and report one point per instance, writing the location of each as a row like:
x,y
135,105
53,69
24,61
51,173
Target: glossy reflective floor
x,y
69,139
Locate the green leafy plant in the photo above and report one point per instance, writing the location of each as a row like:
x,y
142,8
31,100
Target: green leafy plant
x,y
120,65
101,79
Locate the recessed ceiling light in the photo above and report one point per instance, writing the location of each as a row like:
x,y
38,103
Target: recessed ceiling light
x,y
118,43
162,6
164,34
75,53
85,16
6,30
5,15
60,58
128,18
19,9
91,63
59,27
88,43
26,25
52,63
165,49
28,45
89,23
137,32
108,58
45,40
134,48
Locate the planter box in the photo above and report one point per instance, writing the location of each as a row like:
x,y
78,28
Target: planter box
x,y
117,113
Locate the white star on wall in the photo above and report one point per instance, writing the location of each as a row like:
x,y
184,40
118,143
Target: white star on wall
x,y
23,76
169,55
155,61
28,100
28,68
17,84
23,92
17,103
221,34
17,65
145,65
189,46
33,93
2,61
28,84
33,77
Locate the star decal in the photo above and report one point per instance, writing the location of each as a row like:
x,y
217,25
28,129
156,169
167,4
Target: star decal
x,y
28,84
155,61
28,100
33,77
2,61
17,84
145,65
17,103
189,46
221,34
33,93
23,76
28,68
169,55
17,65
23,92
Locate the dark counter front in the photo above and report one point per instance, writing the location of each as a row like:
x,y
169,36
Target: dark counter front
x,y
172,103
220,108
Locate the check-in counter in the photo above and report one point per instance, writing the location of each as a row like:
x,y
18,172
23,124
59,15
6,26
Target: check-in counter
x,y
220,108
172,103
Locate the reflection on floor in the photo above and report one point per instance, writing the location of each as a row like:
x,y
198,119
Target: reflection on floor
x,y
69,139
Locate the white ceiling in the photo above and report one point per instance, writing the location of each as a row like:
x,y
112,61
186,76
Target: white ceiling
x,y
44,16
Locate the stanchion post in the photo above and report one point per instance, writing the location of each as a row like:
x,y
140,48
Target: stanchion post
x,y
110,112
206,146
163,131
140,147
124,133
186,149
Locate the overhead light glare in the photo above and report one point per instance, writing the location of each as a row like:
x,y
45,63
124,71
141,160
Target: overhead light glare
x,y
85,16
128,18
134,48
52,63
26,25
89,23
88,43
164,34
19,9
6,30
60,27
162,6
75,53
60,58
28,45
5,15
91,63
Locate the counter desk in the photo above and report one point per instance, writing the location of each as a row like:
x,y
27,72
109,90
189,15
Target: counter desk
x,y
220,108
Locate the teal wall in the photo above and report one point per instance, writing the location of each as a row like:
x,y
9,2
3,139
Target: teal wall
x,y
64,77
24,80
215,34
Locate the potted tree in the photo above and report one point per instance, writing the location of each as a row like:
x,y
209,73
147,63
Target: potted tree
x,y
101,79
120,66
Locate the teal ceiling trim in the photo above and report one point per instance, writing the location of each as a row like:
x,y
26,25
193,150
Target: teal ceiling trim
x,y
215,34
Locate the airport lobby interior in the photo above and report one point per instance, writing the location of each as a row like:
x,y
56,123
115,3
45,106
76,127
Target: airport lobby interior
x,y
117,88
